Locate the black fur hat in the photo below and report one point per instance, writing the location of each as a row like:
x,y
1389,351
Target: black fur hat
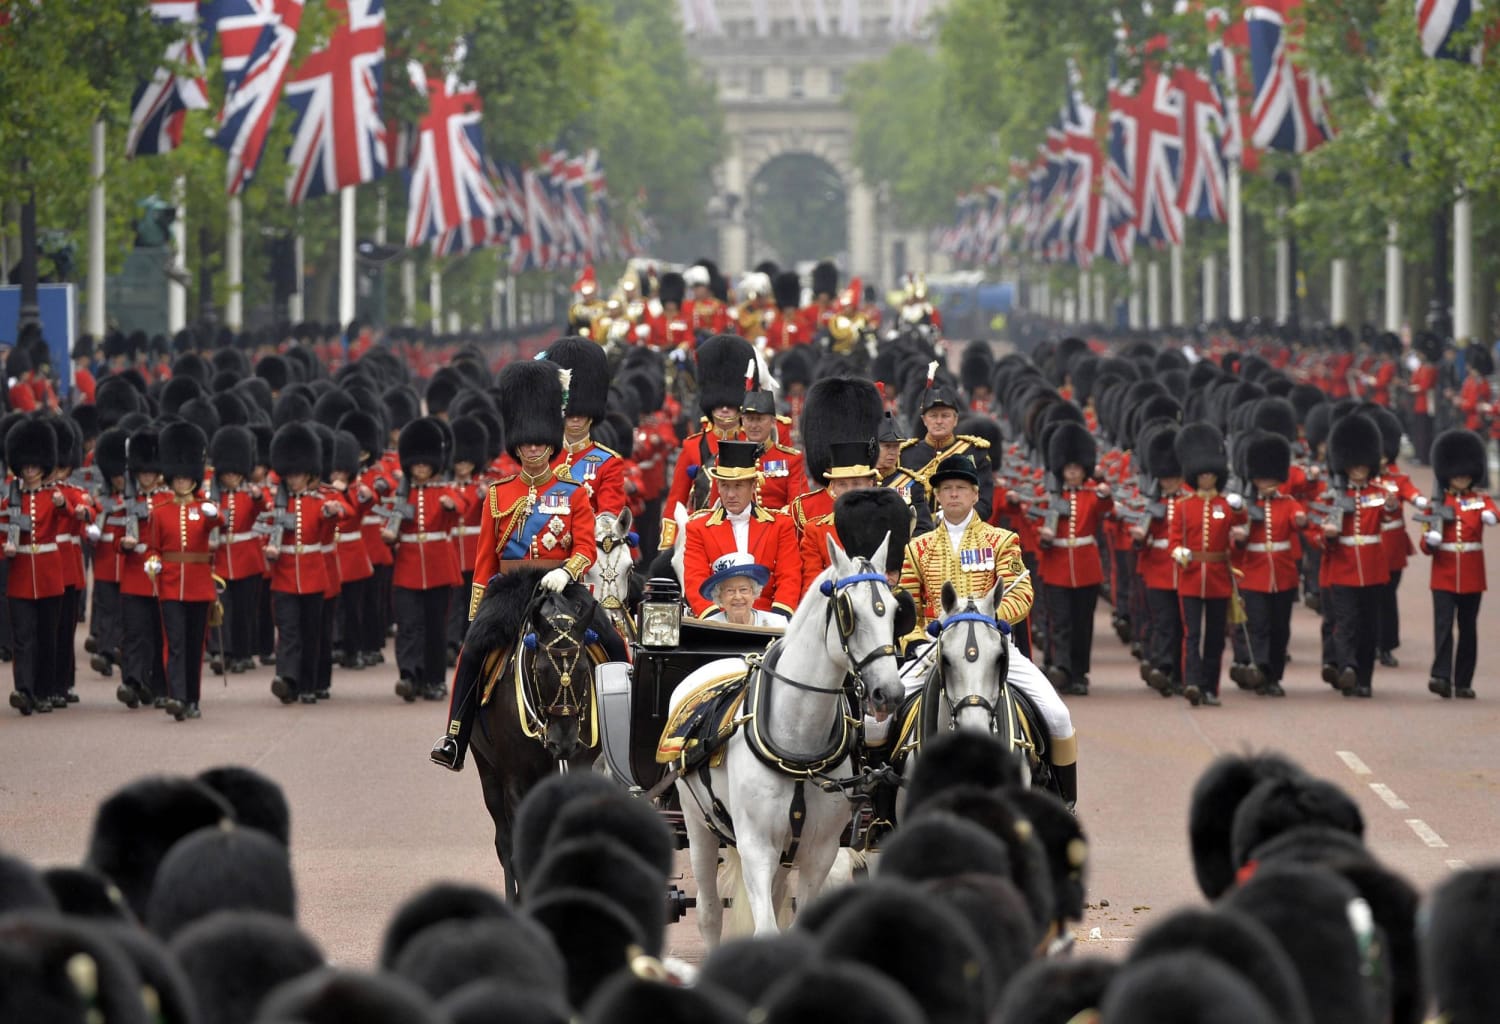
x,y
603,865
1268,456
976,366
1071,443
184,450
295,449
748,967
23,888
178,391
1354,441
825,279
84,892
543,804
1200,449
1280,805
31,442
69,442
1389,425
1056,990
143,451
721,371
443,958
326,444
588,391
331,406
619,817
258,801
233,959
256,394
291,407
839,410
1157,448
531,404
346,454
442,389
1217,794
471,441
86,418
815,992
597,937
787,287
335,995
627,997
232,450
423,440
220,868
962,758
671,288
66,971
1277,415
1459,453
115,398
864,517
230,408
438,903
401,407
1461,943
201,413
1188,988
367,430
940,844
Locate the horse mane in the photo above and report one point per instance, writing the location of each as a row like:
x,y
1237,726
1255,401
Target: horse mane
x,y
502,613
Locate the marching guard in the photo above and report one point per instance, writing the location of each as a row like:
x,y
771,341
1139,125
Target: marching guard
x,y
1455,542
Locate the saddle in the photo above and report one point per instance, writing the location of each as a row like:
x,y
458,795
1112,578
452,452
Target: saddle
x,y
702,724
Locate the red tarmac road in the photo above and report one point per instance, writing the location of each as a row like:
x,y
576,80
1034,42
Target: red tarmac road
x,y
372,820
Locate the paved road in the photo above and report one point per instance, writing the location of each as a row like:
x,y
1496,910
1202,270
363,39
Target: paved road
x,y
373,821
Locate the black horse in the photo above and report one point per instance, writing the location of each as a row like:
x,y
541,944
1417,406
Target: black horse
x,y
534,654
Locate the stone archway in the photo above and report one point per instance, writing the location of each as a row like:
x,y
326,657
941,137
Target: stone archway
x,y
796,208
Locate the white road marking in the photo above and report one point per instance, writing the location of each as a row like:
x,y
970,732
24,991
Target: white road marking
x,y
1425,833
1459,865
1351,759
1385,793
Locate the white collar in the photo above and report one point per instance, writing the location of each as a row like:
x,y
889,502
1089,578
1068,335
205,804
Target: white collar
x,y
742,517
957,529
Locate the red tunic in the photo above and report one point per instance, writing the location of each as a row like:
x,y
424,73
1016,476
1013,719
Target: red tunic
x,y
301,566
241,552
1274,546
180,535
371,525
1356,556
1072,558
770,540
1393,535
1458,559
425,555
348,536
549,520
600,470
1202,527
1424,382
783,473
1154,564
133,578
689,465
344,511
471,522
810,507
70,535
107,552
36,568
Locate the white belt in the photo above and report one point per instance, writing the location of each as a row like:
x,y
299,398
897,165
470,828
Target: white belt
x,y
422,538
327,549
36,549
1280,545
1358,542
1394,524
1160,542
106,537
468,531
371,521
1461,547
351,538
239,538
1072,542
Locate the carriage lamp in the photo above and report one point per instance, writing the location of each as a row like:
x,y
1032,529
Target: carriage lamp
x,y
661,613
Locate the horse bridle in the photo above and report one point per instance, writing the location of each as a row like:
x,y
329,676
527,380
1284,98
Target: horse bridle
x,y
563,654
974,619
841,614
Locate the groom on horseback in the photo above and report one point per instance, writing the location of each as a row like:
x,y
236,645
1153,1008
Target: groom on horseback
x,y
974,557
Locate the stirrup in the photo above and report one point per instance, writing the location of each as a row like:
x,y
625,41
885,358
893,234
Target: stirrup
x,y
445,752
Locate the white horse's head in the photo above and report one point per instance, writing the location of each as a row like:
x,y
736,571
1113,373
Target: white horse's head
x,y
971,660
863,624
610,573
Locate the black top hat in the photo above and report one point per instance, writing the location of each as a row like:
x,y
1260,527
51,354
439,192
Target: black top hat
x,y
737,461
850,460
955,467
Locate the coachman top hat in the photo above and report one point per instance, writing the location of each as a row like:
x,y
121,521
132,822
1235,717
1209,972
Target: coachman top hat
x,y
850,460
737,461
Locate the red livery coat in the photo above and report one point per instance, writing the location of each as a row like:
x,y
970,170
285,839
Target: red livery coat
x,y
36,569
770,540
1202,527
1356,556
1273,547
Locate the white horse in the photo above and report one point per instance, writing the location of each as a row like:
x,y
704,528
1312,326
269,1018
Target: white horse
x,y
609,576
843,630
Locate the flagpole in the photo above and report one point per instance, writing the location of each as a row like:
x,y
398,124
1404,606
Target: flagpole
x,y
1338,291
435,298
1085,297
1284,269
95,316
1393,275
296,306
1153,296
1137,321
1179,295
1463,267
234,268
408,290
1210,288
347,229
176,284
1236,246
1101,300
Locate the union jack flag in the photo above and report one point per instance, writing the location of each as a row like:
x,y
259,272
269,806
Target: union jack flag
x,y
536,248
338,138
255,39
160,106
450,196
1149,115
1288,113
1439,21
1119,176
1203,181
1084,216
1229,71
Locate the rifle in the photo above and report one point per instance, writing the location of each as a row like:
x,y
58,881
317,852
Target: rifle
x,y
273,525
398,510
1335,503
88,479
17,520
1051,510
1438,512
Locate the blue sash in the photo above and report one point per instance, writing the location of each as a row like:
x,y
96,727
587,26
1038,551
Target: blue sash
x,y
552,516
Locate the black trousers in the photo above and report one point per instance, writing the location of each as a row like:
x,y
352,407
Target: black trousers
x,y
1389,637
34,628
1124,582
421,634
1356,621
265,620
65,663
1070,610
299,618
1421,437
106,627
1448,607
141,657
241,600
1269,620
649,528
1164,642
354,606
458,612
377,603
1312,562
323,680
185,624
1203,620
385,610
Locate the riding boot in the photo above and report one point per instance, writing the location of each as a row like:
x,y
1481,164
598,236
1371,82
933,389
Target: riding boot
x,y
450,749
1067,782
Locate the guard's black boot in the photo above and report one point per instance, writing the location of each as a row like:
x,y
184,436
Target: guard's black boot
x,y
22,702
447,753
1388,659
284,690
406,688
128,695
1067,783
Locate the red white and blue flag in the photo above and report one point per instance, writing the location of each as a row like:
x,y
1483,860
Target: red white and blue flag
x,y
1288,113
1203,178
1229,71
1150,115
450,197
159,107
1439,21
338,138
255,40
1084,219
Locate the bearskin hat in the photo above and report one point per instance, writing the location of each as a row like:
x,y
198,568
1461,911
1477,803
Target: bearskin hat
x,y
345,454
442,389
295,449
1354,441
471,441
115,397
1277,415
191,364
291,407
1268,456
1071,443
230,408
1477,357
274,371
794,366
183,448
1459,453
233,959
863,518
331,407
86,418
1460,943
401,407
588,392
31,443
177,392
825,279
69,442
531,403
143,451
976,366
232,450
787,287
367,430
1217,795
1157,449
672,288
839,410
325,450
17,363
1389,426
109,453
721,372
201,414
1200,449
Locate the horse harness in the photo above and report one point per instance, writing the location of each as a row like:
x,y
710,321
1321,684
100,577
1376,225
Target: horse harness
x,y
563,653
973,619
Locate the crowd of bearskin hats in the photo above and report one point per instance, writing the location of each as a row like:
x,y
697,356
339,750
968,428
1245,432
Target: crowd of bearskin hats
x,y
184,910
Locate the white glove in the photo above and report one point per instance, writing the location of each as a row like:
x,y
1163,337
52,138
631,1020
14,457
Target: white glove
x,y
1182,556
1433,538
153,566
92,532
1487,517
1234,501
1421,502
210,510
555,580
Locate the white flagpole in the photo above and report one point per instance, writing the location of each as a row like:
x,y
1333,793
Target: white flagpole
x,y
296,305
1338,291
1463,267
1210,288
1284,270
1153,296
408,290
1137,319
1179,292
1393,275
347,230
95,317
1101,300
1236,246
176,289
234,268
1085,297
435,298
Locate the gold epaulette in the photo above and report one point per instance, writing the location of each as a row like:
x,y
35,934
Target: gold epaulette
x,y
977,442
783,419
504,480
777,446
607,448
764,515
909,442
